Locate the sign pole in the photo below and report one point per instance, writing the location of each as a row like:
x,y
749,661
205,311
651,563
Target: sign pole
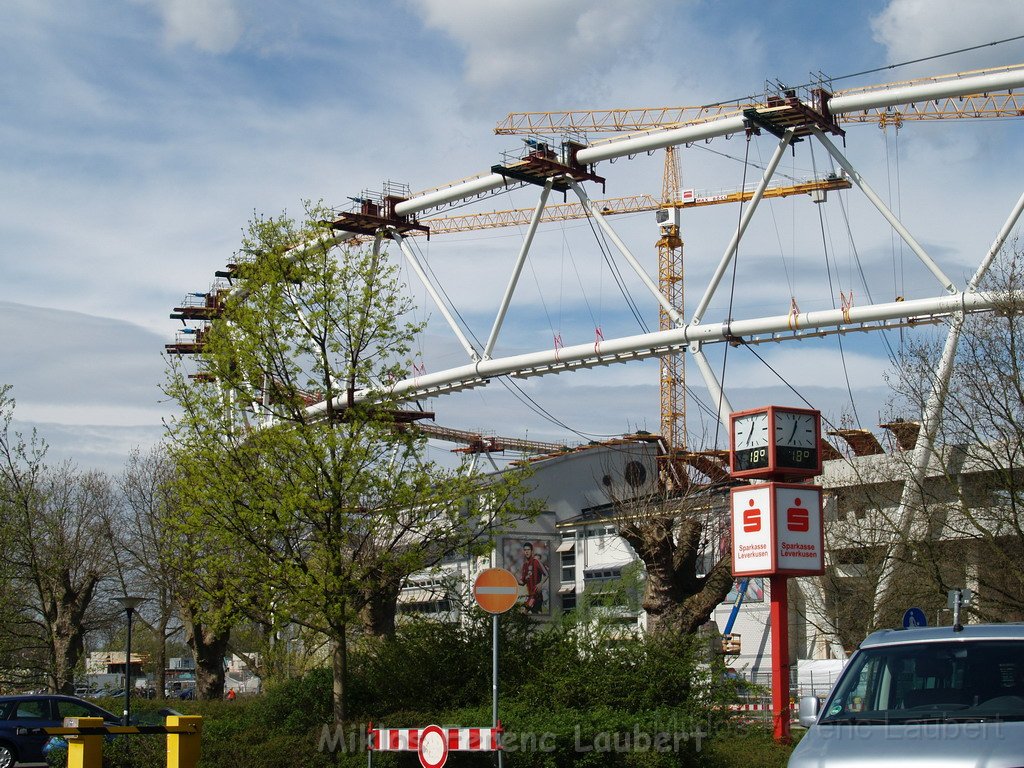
x,y
494,679
496,591
779,615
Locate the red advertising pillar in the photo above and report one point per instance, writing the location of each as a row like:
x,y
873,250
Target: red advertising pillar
x,y
779,586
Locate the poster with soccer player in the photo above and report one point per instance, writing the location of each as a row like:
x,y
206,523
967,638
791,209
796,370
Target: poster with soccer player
x,y
529,559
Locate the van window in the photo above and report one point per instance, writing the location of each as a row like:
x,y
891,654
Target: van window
x,y
979,680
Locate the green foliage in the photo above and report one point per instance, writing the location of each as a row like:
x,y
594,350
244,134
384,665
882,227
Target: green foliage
x,y
313,517
572,696
753,748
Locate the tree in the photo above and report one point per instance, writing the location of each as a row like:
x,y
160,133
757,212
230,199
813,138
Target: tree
x,y
314,516
682,538
674,538
970,530
965,524
55,523
144,538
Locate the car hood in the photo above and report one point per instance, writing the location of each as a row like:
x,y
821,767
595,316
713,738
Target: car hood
x,y
925,745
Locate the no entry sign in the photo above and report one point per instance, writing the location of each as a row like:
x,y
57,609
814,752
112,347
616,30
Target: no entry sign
x,y
496,590
433,747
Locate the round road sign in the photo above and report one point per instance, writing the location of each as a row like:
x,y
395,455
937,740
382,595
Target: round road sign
x,y
914,617
496,590
433,747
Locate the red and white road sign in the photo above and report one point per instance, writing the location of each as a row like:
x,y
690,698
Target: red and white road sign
x,y
496,590
433,747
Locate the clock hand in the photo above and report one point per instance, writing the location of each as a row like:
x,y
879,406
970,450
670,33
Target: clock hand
x,y
750,436
795,425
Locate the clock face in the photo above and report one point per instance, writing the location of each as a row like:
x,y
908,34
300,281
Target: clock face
x,y
751,431
795,430
750,441
796,440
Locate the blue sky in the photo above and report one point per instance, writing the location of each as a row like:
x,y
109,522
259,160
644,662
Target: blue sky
x,y
139,137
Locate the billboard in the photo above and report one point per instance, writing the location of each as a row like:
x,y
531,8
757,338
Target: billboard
x,y
529,559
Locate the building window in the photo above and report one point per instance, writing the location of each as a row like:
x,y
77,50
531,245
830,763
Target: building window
x,y
568,599
636,474
568,565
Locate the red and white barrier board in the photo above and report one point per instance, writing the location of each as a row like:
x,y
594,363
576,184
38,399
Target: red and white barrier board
x,y
433,743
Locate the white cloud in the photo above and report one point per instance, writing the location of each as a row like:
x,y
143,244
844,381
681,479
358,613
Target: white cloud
x,y
911,29
535,43
213,26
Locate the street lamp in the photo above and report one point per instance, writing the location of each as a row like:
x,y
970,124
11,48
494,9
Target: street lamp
x,y
130,604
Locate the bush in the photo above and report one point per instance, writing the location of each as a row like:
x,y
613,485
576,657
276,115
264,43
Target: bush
x,y
573,695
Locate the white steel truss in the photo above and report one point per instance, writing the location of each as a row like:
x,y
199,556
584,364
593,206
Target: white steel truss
x,y
482,367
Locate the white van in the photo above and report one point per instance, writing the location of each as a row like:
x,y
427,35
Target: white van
x,y
912,698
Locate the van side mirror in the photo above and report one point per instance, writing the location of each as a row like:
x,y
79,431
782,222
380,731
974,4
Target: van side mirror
x,y
808,711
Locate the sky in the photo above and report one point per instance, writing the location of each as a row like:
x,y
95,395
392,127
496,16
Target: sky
x,y
138,138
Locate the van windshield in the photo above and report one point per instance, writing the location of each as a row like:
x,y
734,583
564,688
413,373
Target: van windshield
x,y
973,681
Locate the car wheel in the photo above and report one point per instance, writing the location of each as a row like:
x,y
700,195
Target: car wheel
x,y
7,756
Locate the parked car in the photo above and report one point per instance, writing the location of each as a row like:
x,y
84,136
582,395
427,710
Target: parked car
x,y
924,696
38,711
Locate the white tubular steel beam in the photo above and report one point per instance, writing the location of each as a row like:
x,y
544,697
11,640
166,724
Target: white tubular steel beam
x,y
876,201
518,268
639,270
748,214
997,244
451,194
660,139
723,126
421,273
659,342
907,94
712,383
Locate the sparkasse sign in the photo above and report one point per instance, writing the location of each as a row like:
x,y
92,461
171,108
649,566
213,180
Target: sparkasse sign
x,y
777,529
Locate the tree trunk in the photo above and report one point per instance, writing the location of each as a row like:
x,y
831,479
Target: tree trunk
x,y
64,616
161,656
676,599
339,667
380,607
67,652
209,648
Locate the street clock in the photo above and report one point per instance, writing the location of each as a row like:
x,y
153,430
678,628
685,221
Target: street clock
x,y
775,442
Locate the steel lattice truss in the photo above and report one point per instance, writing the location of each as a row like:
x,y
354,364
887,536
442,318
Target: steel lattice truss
x,y
816,117
788,118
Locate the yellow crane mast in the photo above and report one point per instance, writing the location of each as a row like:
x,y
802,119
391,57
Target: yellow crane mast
x,y
670,278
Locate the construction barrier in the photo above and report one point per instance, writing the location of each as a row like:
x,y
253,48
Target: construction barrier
x,y
432,742
85,736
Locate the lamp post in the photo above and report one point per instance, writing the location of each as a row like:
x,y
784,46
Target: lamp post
x,y
130,604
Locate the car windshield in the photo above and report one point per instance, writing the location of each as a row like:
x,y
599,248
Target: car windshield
x,y
976,681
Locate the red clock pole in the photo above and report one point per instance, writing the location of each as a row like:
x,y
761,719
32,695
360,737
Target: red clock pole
x,y
777,527
779,614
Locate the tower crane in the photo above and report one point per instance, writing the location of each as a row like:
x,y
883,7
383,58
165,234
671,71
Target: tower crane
x,y
670,279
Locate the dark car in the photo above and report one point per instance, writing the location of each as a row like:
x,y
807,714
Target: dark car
x,y
38,711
